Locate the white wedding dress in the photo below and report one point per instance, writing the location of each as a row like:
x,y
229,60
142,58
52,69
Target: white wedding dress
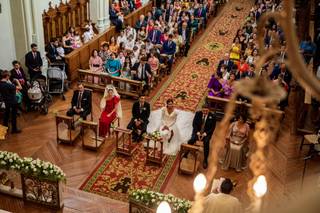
x,y
180,122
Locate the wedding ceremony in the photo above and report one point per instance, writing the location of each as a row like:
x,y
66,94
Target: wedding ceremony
x,y
163,106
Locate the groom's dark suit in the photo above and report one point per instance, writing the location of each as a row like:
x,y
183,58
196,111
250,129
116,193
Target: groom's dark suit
x,y
139,113
203,124
80,101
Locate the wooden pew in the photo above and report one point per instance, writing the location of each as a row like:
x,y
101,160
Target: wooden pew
x,y
218,105
79,58
121,84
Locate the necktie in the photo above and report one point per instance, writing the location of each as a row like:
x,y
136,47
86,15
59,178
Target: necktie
x,y
226,62
18,72
154,36
79,100
203,122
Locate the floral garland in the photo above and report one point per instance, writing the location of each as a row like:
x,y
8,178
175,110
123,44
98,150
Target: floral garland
x,y
28,166
152,199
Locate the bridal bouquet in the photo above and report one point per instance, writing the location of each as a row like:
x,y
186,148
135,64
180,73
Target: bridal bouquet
x,y
156,135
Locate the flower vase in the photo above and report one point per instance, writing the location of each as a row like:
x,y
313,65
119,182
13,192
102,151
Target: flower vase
x,y
44,192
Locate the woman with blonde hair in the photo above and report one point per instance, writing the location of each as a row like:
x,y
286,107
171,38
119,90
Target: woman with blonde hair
x,y
111,108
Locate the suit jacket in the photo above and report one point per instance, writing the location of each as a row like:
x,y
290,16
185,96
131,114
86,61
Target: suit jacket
x,y
85,100
203,13
14,75
229,65
209,126
141,113
146,70
32,62
188,34
169,49
168,12
113,14
140,24
51,52
157,36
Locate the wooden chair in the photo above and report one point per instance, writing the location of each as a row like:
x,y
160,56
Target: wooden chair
x,y
66,132
92,141
155,151
124,144
190,164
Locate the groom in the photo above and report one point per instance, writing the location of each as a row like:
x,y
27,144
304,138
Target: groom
x,y
204,123
140,118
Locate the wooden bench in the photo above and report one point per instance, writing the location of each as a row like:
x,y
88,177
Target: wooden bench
x,y
124,144
124,86
155,152
66,131
91,140
190,164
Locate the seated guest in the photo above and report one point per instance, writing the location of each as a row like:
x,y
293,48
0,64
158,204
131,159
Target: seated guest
x,y
122,38
201,14
149,17
143,72
194,24
204,123
169,48
130,31
224,72
164,36
178,40
243,67
105,52
87,36
222,201
235,50
237,144
67,42
308,49
140,23
77,40
95,64
125,8
139,120
126,68
113,46
226,61
228,86
60,50
113,66
51,50
137,4
154,35
250,73
129,44
80,103
114,17
33,62
215,85
142,35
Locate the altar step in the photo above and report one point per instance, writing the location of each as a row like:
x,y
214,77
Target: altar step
x,y
74,201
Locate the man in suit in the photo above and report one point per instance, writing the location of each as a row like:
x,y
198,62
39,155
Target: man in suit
x,y
18,73
51,51
140,23
140,118
169,12
201,13
80,103
143,72
154,35
185,33
226,61
34,62
114,17
204,123
169,49
8,94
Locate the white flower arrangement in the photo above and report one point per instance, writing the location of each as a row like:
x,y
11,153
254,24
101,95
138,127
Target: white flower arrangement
x,y
37,168
152,199
156,135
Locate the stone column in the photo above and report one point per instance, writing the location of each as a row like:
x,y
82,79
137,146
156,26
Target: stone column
x,y
99,12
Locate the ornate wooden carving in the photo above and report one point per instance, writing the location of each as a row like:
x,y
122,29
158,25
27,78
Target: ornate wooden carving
x,y
56,20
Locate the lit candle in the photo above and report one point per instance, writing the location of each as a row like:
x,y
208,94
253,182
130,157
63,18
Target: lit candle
x,y
164,207
199,184
260,189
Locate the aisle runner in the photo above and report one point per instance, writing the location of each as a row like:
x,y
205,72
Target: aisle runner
x,y
188,85
116,175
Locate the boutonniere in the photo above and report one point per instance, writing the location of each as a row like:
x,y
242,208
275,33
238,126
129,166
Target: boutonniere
x,y
210,117
143,108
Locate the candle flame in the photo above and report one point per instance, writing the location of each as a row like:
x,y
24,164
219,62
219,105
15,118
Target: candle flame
x,y
199,183
260,186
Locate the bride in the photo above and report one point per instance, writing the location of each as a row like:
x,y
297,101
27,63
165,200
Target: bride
x,y
175,126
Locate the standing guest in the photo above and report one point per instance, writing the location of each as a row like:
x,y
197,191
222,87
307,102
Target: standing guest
x,y
140,118
237,144
18,73
114,17
222,202
215,85
185,33
235,50
308,49
111,108
113,66
8,94
80,103
33,62
204,123
169,48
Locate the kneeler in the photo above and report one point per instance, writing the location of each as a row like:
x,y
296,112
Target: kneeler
x,y
124,142
190,164
66,132
155,151
90,138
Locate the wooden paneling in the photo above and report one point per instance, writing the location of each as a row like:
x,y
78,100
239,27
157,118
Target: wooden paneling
x,y
79,58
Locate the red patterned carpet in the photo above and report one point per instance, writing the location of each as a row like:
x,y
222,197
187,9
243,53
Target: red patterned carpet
x,y
116,175
188,84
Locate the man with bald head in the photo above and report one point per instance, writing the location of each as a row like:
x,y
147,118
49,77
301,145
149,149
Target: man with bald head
x,y
226,61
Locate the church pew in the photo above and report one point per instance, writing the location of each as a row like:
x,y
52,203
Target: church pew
x,y
121,84
218,105
79,58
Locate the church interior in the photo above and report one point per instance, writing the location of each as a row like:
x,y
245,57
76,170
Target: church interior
x,y
182,106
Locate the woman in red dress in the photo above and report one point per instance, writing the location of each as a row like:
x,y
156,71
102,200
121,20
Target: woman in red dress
x,y
110,104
